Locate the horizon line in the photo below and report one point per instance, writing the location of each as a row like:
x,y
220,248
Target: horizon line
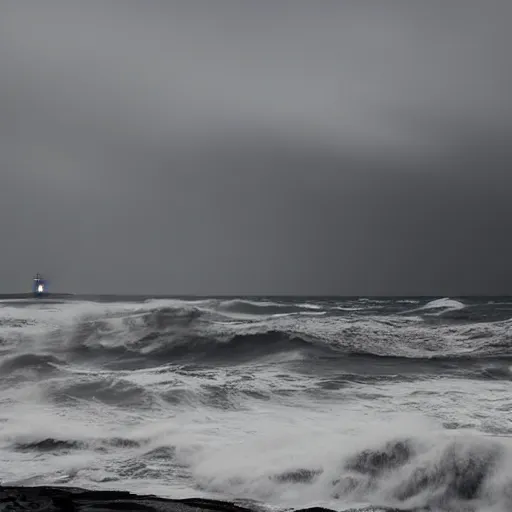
x,y
249,295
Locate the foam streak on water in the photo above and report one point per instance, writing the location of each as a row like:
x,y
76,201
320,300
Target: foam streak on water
x,y
340,403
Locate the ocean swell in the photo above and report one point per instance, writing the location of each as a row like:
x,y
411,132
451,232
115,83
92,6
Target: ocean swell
x,y
154,333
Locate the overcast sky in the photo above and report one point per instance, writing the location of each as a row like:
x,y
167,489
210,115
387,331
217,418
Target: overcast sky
x,y
256,147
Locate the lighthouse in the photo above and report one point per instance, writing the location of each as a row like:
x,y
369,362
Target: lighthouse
x,y
39,286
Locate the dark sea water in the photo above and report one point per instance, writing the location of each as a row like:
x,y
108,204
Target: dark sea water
x,y
280,402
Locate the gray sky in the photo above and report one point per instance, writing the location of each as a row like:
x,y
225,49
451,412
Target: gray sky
x,y
256,147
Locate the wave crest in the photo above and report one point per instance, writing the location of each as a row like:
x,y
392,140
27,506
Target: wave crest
x,y
40,363
450,474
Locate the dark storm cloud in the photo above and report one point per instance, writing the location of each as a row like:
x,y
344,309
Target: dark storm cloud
x,y
256,147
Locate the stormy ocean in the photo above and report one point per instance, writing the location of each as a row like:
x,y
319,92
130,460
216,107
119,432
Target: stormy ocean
x,y
277,403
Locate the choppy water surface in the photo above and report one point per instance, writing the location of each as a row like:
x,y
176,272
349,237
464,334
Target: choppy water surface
x,y
289,402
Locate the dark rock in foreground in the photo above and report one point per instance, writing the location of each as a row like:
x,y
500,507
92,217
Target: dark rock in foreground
x,y
52,499
72,499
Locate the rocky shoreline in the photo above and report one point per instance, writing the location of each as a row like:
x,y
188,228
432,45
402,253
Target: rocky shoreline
x,y
68,499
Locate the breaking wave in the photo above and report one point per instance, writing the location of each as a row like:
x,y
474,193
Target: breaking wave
x,y
443,304
453,474
440,472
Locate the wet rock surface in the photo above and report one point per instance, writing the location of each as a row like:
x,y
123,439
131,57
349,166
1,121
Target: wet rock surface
x,y
52,499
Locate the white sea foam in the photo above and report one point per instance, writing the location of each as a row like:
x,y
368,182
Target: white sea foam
x,y
440,306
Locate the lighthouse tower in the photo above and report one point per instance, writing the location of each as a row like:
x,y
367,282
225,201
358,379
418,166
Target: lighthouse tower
x,y
39,286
